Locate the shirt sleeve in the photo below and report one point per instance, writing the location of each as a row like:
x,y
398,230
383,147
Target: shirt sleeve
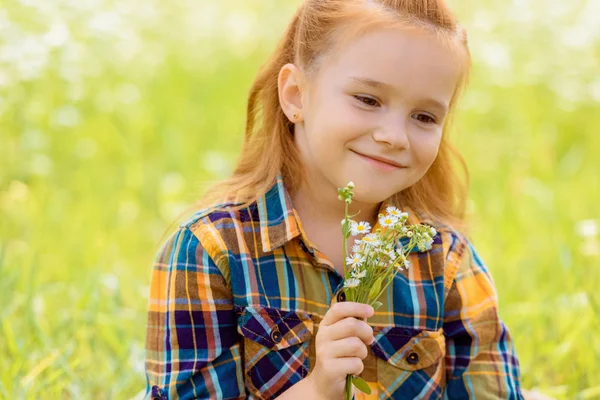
x,y
481,362
192,351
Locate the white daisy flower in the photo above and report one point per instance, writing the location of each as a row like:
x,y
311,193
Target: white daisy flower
x,y
388,220
355,260
371,239
358,275
393,211
356,248
361,228
351,282
401,255
406,264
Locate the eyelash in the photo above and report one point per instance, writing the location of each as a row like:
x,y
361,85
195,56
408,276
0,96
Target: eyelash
x,y
361,98
431,120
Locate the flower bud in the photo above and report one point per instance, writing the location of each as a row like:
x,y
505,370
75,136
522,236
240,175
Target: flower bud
x,y
350,185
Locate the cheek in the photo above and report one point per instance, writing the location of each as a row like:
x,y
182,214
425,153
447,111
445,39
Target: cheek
x,y
336,120
426,149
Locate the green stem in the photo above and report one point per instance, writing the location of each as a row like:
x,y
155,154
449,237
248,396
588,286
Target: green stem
x,y
348,389
410,246
345,231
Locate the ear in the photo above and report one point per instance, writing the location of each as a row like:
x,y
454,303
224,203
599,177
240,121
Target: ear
x,y
290,92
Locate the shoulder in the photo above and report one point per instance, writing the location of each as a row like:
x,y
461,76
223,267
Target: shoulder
x,y
459,253
217,227
462,262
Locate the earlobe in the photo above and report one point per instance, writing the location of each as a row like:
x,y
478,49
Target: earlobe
x,y
290,92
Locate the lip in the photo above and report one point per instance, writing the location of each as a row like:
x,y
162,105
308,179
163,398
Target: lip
x,y
381,161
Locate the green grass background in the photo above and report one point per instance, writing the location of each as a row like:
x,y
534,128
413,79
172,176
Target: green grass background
x,y
114,115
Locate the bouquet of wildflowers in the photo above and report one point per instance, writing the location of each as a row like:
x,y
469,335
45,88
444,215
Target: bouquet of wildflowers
x,y
376,258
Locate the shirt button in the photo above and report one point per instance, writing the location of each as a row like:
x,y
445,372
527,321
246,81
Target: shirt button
x,y
413,358
341,297
276,335
157,393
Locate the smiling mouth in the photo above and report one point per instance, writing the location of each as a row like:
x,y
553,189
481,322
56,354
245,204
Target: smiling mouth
x,y
380,161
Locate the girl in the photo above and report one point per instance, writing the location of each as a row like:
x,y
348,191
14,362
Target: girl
x,y
246,297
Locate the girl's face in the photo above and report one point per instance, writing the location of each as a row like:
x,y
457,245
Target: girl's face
x,y
374,112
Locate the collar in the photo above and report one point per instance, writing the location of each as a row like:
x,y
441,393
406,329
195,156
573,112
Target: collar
x,y
280,223
278,220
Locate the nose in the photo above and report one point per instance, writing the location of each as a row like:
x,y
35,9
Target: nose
x,y
393,132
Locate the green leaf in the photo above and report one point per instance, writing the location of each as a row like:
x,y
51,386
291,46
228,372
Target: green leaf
x,y
375,289
377,304
361,384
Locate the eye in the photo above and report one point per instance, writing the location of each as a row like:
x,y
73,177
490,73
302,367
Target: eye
x,y
425,118
369,101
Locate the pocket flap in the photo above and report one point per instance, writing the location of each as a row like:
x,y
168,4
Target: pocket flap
x,y
409,349
274,328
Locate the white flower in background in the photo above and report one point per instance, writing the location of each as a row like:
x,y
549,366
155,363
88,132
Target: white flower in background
x,y
388,220
351,282
361,228
409,233
587,228
357,274
356,248
355,260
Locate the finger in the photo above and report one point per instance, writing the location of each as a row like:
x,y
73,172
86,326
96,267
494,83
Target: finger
x,y
347,347
351,327
347,309
346,365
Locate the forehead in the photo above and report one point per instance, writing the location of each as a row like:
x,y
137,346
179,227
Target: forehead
x,y
401,58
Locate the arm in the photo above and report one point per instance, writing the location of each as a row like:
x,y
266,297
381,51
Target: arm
x,y
481,362
191,342
305,389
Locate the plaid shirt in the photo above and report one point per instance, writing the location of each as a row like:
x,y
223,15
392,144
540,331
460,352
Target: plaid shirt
x,y
237,296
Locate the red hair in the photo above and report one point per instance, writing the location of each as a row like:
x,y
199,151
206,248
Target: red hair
x,y
316,30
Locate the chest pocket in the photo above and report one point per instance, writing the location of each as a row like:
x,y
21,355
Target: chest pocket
x,y
410,363
276,348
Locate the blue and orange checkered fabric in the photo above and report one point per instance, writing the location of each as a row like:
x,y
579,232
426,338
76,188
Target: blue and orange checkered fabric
x,y
237,296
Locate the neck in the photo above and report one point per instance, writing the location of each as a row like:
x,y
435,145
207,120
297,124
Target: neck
x,y
319,204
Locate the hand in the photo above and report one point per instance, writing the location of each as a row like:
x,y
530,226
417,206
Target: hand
x,y
341,345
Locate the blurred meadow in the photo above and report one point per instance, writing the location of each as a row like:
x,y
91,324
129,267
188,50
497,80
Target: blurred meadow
x,y
115,114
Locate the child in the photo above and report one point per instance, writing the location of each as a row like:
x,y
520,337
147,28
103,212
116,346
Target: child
x,y
247,296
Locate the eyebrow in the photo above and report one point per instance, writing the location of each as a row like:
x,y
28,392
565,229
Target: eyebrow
x,y
382,85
